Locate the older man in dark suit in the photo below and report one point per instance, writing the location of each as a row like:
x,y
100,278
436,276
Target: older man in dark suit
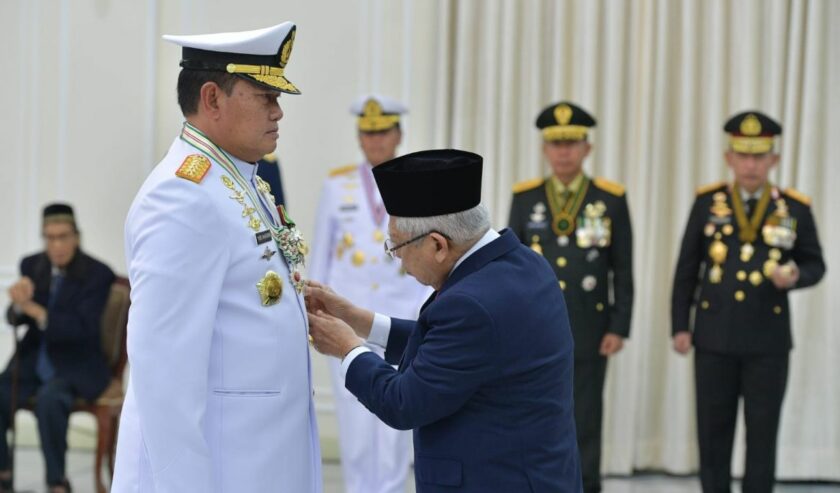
x,y
60,297
485,373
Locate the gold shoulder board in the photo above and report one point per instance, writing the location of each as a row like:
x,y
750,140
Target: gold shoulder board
x,y
271,158
798,196
342,170
524,186
710,187
608,186
194,168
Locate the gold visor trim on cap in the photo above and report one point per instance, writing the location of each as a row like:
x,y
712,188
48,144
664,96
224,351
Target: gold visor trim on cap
x,y
751,145
272,76
378,123
564,132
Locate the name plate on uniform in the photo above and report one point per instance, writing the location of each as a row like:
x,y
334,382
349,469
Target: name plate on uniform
x,y
263,237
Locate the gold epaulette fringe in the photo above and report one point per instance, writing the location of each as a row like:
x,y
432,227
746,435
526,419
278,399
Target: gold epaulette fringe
x,y
710,187
798,196
342,170
608,186
524,186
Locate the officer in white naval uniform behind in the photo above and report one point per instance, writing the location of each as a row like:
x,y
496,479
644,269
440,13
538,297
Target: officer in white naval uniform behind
x,y
348,255
220,393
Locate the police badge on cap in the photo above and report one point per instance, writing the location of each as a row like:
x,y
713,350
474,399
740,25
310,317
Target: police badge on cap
x,y
259,56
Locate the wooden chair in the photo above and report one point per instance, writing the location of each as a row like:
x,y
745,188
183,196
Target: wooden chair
x,y
108,406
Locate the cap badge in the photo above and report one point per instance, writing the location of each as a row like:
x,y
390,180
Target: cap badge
x,y
563,114
750,126
372,108
286,49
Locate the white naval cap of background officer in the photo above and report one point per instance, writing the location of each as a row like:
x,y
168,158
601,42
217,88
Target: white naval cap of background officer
x,y
348,255
220,393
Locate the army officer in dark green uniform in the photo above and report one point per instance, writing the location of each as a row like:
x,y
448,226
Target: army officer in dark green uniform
x,y
746,245
582,227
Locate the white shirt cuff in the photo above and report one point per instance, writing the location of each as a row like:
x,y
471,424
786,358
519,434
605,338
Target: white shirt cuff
x,y
345,363
380,330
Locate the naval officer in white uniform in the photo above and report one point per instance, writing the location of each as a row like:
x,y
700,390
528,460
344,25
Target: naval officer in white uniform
x,y
348,255
220,393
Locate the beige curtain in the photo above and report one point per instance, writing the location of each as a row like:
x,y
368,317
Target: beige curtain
x,y
661,76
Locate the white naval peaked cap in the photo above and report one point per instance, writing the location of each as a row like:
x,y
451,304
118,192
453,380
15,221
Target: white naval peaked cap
x,y
258,56
377,113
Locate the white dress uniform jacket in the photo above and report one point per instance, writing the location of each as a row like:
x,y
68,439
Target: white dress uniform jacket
x,y
220,391
348,256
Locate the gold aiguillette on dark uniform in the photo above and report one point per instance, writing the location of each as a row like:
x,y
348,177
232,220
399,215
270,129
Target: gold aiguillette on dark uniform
x,y
563,218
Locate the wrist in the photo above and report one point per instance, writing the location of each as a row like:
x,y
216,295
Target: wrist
x,y
349,349
362,321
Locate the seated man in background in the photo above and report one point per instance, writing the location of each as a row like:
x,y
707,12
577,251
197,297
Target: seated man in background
x,y
60,297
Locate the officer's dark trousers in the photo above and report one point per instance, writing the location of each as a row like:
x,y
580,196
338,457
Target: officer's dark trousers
x,y
54,401
721,380
589,396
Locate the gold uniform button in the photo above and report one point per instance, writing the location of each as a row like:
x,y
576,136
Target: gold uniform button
x,y
599,307
777,310
563,285
704,305
741,275
756,278
739,295
561,261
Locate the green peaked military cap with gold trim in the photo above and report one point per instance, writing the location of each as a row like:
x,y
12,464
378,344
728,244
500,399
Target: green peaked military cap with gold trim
x,y
564,121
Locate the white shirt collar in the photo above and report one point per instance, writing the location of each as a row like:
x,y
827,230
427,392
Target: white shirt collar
x,y
489,236
248,170
745,195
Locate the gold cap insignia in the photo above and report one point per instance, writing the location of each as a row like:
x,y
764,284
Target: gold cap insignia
x,y
750,126
286,47
373,119
194,168
563,114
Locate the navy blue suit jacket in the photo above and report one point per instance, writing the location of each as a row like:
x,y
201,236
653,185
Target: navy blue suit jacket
x,y
484,378
73,331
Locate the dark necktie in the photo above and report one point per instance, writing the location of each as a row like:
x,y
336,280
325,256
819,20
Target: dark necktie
x,y
43,366
751,205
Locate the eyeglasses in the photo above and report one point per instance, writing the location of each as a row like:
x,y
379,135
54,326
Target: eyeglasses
x,y
391,249
59,238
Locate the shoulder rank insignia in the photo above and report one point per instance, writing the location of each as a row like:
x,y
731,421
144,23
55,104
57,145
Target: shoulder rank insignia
x,y
342,170
524,186
271,158
194,168
711,187
798,196
608,186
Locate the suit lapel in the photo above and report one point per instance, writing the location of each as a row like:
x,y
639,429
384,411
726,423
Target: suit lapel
x,y
506,242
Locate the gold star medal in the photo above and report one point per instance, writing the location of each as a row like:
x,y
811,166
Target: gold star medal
x,y
270,288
